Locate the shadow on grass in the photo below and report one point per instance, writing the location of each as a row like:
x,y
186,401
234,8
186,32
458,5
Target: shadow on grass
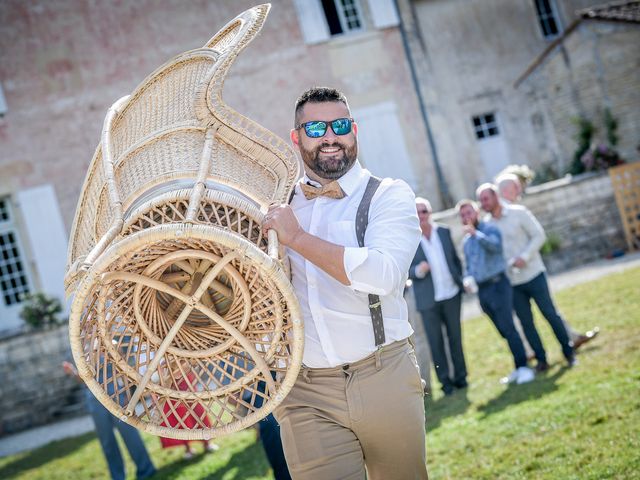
x,y
443,407
542,385
43,455
249,462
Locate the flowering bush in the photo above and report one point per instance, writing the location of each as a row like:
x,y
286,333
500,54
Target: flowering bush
x,y
523,172
600,157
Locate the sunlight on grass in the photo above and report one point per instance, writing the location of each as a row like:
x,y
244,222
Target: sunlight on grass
x,y
580,423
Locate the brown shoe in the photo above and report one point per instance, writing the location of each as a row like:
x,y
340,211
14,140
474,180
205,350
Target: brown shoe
x,y
542,367
586,337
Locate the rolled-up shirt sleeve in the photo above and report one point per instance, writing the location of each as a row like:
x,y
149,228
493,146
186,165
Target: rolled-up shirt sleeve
x,y
391,240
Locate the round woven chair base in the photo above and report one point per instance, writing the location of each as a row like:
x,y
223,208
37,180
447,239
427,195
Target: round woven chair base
x,y
187,331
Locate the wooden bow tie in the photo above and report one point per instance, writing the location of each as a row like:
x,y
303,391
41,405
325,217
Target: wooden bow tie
x,y
331,190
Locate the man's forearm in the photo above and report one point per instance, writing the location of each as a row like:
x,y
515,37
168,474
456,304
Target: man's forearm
x,y
327,256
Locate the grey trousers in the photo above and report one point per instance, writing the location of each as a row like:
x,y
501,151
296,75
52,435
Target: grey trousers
x,y
446,314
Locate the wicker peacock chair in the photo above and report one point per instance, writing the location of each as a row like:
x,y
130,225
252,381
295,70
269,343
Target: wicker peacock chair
x,y
182,308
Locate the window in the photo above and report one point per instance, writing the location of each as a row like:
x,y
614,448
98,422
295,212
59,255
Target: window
x,y
342,16
14,283
485,126
3,104
548,18
320,20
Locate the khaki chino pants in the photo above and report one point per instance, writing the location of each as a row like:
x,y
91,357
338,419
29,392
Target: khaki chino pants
x,y
336,421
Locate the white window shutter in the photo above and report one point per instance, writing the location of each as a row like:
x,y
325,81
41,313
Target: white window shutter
x,y
3,103
47,237
381,144
384,13
313,22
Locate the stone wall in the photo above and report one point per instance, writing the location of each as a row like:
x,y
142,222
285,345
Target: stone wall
x,y
580,212
595,68
34,389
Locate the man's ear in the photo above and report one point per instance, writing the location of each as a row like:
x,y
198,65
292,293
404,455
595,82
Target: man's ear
x,y
354,126
295,139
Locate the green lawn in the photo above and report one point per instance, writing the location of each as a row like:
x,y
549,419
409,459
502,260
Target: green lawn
x,y
580,423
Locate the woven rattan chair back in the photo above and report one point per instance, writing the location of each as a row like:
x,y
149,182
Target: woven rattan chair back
x,y
184,322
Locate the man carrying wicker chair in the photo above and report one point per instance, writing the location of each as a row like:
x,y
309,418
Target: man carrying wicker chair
x,y
357,404
176,271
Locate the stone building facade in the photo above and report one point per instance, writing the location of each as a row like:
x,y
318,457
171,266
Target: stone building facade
x,y
594,66
62,64
468,56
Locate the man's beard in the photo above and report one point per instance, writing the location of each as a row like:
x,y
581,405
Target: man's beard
x,y
333,166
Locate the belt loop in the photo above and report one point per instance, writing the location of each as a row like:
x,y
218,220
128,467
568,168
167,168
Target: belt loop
x,y
305,374
378,361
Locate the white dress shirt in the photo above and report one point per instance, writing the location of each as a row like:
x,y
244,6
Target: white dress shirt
x,y
444,286
337,322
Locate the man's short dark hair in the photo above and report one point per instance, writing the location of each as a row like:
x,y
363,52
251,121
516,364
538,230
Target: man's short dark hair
x,y
319,95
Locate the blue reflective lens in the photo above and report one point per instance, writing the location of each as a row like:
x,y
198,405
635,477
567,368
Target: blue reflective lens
x,y
318,128
341,126
315,129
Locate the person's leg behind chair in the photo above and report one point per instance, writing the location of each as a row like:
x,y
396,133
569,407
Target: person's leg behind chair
x,y
137,450
272,444
104,423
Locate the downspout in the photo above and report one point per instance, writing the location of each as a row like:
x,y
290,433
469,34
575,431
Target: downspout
x,y
445,195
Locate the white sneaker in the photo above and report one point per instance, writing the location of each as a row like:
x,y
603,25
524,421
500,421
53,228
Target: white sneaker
x,y
511,378
525,375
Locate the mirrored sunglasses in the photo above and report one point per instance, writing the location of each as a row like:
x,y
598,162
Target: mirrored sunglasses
x,y
318,128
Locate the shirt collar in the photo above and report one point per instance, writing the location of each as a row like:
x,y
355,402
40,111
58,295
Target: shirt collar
x,y
348,182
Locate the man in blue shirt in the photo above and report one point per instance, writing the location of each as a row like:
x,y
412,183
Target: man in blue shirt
x,y
485,267
106,424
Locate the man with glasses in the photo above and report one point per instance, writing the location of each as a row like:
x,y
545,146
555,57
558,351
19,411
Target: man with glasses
x,y
358,402
436,272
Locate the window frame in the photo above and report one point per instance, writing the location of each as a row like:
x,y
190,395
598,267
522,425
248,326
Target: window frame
x,y
340,9
9,226
485,126
554,13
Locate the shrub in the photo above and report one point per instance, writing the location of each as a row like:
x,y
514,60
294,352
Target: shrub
x,y
41,311
551,244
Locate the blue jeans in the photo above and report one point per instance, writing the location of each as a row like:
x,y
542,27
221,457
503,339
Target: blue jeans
x,y
270,436
538,290
496,300
105,423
